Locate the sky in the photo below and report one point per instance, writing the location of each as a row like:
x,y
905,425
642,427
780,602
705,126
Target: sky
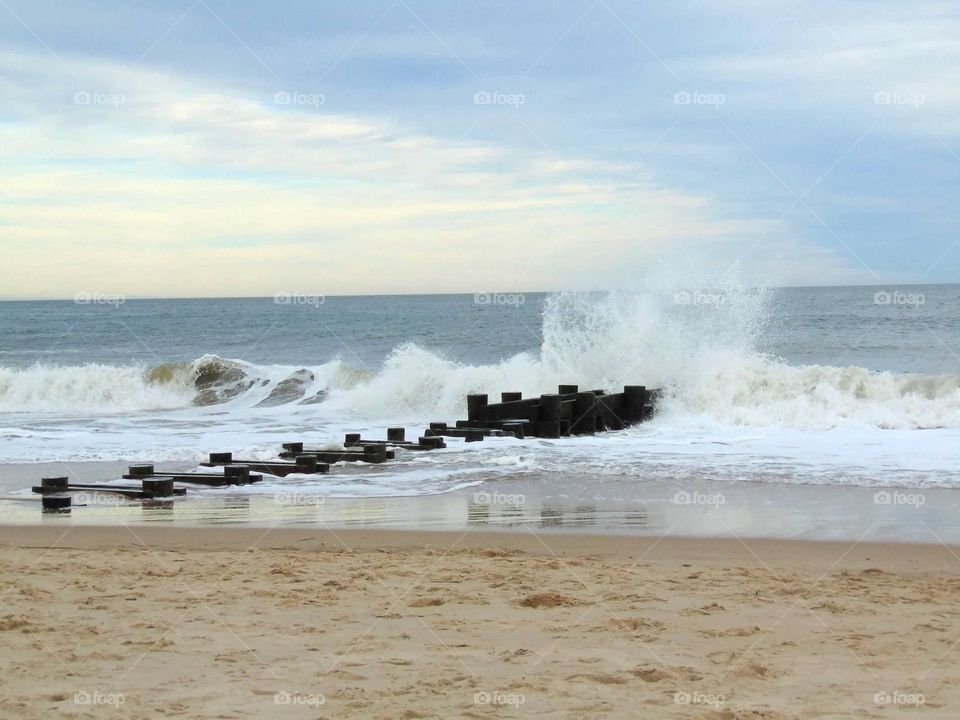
x,y
214,148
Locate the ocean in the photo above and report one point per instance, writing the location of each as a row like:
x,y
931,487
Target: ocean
x,y
827,386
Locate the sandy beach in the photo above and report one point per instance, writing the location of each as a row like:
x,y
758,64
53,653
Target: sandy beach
x,y
246,622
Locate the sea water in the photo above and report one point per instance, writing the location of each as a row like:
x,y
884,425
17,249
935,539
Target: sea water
x,y
852,386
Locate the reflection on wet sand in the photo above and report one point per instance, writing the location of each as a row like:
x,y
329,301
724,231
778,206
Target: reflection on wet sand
x,y
714,511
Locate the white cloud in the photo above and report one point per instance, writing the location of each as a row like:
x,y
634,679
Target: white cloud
x,y
189,189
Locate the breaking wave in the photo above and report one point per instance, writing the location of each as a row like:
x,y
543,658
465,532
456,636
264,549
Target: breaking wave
x,y
702,354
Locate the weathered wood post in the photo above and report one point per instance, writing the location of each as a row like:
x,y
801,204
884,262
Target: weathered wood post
x,y
294,447
55,503
584,420
54,484
375,453
634,401
438,426
396,434
158,487
306,464
236,474
140,470
510,396
549,424
473,436
351,439
568,389
220,458
476,402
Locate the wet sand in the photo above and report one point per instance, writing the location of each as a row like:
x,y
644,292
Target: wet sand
x,y
249,622
547,504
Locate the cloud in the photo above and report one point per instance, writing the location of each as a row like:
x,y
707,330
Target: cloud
x,y
147,182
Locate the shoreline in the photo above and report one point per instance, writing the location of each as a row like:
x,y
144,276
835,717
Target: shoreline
x,y
541,503
200,539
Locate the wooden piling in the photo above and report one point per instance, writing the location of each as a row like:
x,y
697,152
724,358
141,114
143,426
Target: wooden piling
x,y
306,464
236,474
510,396
584,420
351,439
140,470
294,447
158,487
375,453
550,406
221,458
634,401
476,402
56,503
473,436
568,389
396,434
54,484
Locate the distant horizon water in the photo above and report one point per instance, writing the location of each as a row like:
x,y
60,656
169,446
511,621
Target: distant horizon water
x,y
129,297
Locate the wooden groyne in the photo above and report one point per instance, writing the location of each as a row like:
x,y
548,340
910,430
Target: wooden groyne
x,y
567,412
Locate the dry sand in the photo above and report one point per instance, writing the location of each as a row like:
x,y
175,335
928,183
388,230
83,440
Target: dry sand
x,y
139,622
